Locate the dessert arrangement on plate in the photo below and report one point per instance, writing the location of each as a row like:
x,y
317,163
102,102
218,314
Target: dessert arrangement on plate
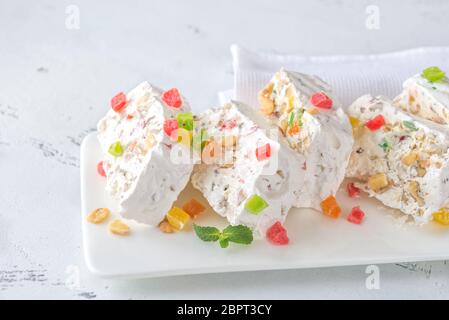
x,y
252,164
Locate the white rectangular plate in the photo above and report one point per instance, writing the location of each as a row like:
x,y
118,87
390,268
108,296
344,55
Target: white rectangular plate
x,y
315,240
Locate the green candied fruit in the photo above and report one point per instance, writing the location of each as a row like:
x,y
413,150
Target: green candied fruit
x,y
185,120
385,145
255,204
116,149
433,74
290,120
200,139
410,125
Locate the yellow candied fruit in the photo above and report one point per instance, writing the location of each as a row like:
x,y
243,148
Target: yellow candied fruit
x,y
442,216
177,218
291,103
118,227
98,215
377,182
354,122
184,136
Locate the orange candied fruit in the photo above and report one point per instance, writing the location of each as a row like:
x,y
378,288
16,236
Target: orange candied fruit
x,y
193,208
294,129
330,207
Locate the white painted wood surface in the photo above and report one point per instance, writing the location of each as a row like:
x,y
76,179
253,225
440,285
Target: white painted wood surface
x,y
55,83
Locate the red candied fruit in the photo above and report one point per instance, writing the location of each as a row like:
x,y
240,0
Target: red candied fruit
x,y
100,169
118,103
172,98
321,100
375,123
353,191
356,215
263,152
170,126
277,234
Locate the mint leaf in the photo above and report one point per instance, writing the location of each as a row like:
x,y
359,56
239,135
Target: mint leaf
x,y
224,243
207,233
238,234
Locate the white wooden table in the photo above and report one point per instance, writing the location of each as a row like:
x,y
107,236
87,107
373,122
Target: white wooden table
x,y
55,83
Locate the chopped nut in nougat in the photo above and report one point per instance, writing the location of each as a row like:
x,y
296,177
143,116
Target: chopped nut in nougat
x,y
377,182
413,188
409,158
118,227
98,215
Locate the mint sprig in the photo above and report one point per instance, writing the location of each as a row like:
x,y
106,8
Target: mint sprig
x,y
238,234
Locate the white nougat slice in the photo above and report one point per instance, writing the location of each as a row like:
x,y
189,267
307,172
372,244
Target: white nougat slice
x,y
316,129
243,175
140,170
429,100
403,163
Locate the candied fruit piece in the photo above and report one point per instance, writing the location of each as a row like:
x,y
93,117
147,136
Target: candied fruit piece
x,y
354,122
385,145
277,234
172,98
410,125
433,74
330,207
177,218
170,126
255,204
116,149
442,216
100,169
356,215
294,129
98,215
166,227
378,181
321,100
375,123
118,227
118,102
353,191
185,120
193,208
263,152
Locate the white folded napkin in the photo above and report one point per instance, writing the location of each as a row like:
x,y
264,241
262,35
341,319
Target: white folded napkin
x,y
350,76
